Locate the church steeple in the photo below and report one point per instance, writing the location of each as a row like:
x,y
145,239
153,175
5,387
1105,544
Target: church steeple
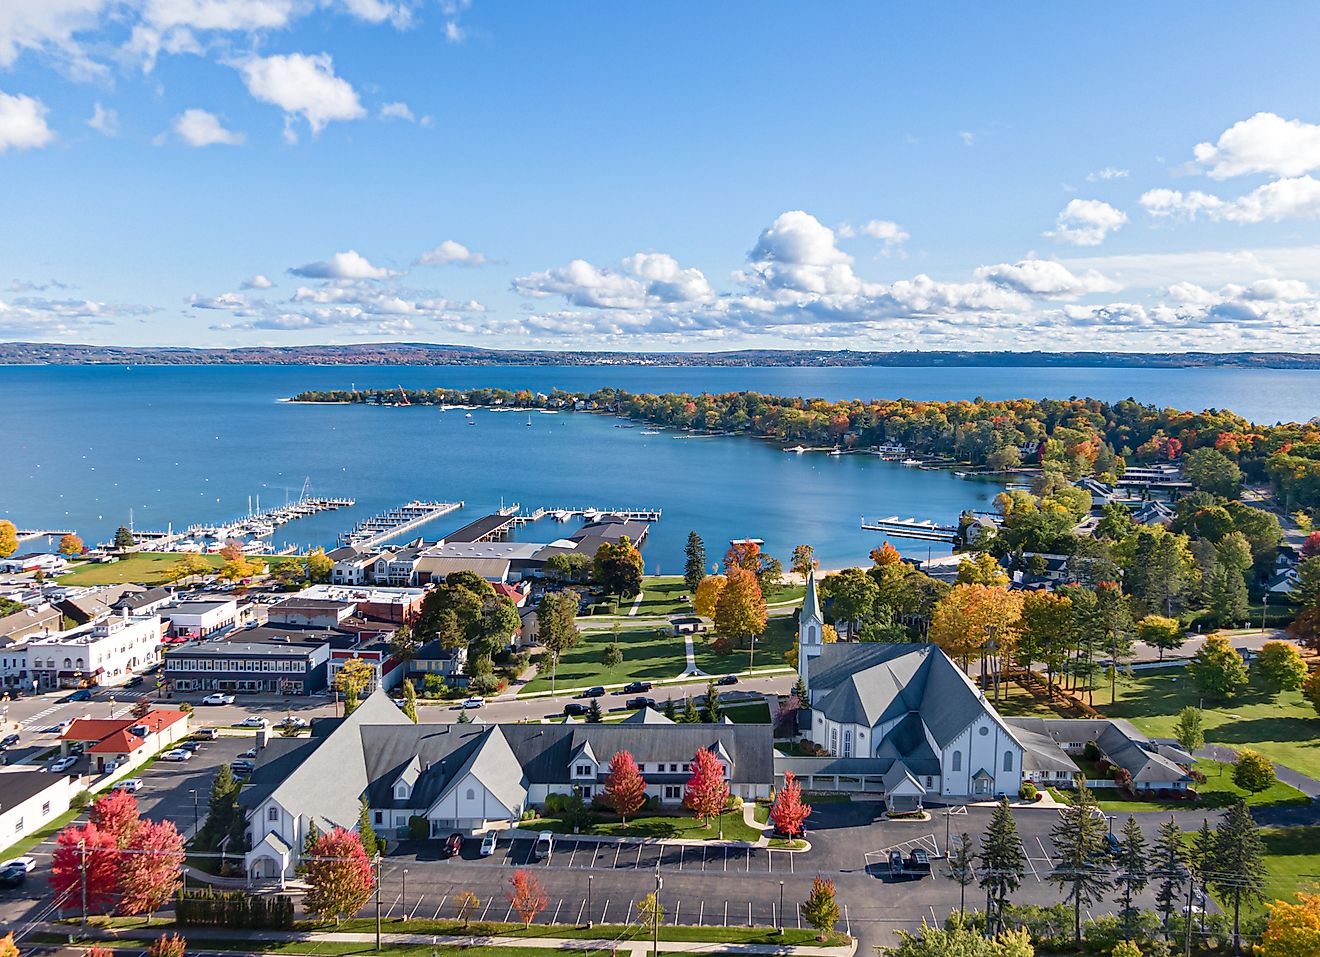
x,y
811,604
811,631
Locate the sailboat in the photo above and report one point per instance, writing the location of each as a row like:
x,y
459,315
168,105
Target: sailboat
x,y
529,422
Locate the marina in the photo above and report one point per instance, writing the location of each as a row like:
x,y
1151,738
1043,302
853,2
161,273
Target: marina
x,y
924,530
395,522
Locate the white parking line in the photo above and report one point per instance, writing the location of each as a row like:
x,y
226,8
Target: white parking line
x,y
1027,857
639,857
680,857
576,845
439,906
555,919
701,912
616,854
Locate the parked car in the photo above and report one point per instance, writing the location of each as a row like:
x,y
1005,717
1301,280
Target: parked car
x,y
249,753
896,863
218,698
12,877
636,687
639,703
131,785
596,692
727,680
242,766
63,764
176,754
473,702
254,721
206,734
1113,845
192,747
29,864
453,845
292,721
8,741
543,847
918,862
488,844
82,694
573,710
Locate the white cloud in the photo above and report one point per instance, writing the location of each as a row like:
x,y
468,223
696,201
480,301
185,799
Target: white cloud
x,y
305,85
200,128
645,280
34,317
888,232
1048,278
1086,222
45,25
345,265
450,252
1264,143
968,138
1291,198
396,111
22,123
1108,172
454,33
1164,202
798,253
378,11
104,121
256,282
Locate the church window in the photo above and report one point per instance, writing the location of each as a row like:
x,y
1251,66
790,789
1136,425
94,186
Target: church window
x,y
1008,760
834,741
847,743
957,760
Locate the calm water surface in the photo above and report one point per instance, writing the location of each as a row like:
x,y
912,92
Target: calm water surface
x,y
87,444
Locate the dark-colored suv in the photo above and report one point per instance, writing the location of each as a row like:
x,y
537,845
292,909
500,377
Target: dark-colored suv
x,y
573,709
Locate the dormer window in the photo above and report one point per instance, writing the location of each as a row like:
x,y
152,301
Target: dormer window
x,y
401,791
584,771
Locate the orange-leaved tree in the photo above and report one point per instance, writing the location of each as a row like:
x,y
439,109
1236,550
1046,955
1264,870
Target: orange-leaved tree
x,y
527,896
625,789
788,811
339,874
708,595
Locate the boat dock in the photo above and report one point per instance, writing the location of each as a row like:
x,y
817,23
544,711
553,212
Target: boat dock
x,y
395,522
592,514
924,530
32,534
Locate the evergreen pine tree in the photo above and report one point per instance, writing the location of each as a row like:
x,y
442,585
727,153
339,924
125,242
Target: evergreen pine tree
x,y
710,710
220,809
689,715
1002,862
309,843
670,713
694,570
410,700
1169,865
366,833
1133,873
594,714
1238,866
1079,838
962,868
800,691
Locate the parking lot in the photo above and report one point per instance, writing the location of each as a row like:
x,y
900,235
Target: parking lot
x,y
571,852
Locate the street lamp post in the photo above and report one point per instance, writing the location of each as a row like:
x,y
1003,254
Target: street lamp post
x,y
1264,607
781,907
196,824
404,916
591,921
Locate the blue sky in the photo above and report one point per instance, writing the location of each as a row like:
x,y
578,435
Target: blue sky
x,y
687,176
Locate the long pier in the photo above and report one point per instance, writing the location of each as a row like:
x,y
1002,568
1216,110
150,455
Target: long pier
x,y
924,530
32,534
396,521
591,513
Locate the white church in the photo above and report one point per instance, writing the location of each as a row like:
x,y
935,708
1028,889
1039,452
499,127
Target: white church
x,y
899,718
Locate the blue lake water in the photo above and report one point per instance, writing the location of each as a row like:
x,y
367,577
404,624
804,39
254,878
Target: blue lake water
x,y
87,444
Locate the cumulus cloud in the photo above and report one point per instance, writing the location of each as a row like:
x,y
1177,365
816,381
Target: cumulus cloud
x,y
303,85
46,26
1047,278
345,265
451,252
37,317
644,280
256,282
23,123
888,232
1086,222
454,33
1264,143
1290,198
200,128
1108,172
104,121
798,253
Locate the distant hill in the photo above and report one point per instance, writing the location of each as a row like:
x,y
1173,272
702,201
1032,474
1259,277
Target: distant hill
x,y
438,354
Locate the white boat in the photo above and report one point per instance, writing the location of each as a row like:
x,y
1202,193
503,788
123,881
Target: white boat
x,y
471,423
797,449
563,515
836,451
911,462
529,422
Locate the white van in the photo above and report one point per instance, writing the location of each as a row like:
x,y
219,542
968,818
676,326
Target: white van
x,y
543,847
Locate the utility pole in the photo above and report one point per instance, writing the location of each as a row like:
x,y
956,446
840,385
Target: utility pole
x,y
82,849
378,902
655,914
404,915
1187,930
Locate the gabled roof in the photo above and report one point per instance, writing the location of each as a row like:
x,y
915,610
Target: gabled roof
x,y
810,602
646,716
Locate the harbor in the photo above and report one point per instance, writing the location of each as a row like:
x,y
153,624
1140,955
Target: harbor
x,y
924,530
395,522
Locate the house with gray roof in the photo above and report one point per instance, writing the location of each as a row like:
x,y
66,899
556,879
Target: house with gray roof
x,y
466,777
1154,765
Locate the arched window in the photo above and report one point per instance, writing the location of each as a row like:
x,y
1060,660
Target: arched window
x,y
1008,760
471,794
68,663
957,760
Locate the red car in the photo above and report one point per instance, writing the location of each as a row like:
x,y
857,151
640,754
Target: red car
x,y
453,845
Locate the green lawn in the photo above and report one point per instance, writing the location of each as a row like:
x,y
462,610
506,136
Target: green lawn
x,y
648,654
753,712
657,826
770,649
1017,702
660,597
144,568
1292,857
1218,791
1284,728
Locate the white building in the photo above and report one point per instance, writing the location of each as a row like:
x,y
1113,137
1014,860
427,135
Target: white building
x,y
108,653
30,799
197,619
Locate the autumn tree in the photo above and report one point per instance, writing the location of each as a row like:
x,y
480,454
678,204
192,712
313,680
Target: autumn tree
x,y
8,538
7,946
971,616
1047,631
1293,929
706,793
1253,771
352,677
707,595
1156,631
820,908
85,857
788,811
116,813
409,700
740,611
1281,666
318,565
339,876
71,544
1189,729
804,560
625,789
465,902
150,873
1217,669
983,569
556,626
527,896
618,567
171,945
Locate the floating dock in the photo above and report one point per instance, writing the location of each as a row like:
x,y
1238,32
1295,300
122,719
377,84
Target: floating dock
x,y
32,534
924,530
395,522
592,514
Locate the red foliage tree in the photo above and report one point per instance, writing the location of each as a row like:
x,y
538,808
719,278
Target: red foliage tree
x,y
625,789
745,555
98,848
149,873
886,554
171,946
116,813
789,812
1312,545
707,792
527,896
339,874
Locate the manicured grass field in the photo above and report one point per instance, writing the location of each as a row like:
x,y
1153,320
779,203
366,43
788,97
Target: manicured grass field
x,y
1017,702
648,654
1284,728
1292,857
659,826
144,568
1219,791
753,712
770,649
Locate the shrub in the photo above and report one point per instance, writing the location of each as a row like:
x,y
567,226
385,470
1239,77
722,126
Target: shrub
x,y
419,829
1091,751
210,908
1197,776
1123,778
1028,792
484,684
734,803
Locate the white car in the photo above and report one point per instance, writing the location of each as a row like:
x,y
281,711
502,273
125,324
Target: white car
x,y
294,722
474,702
254,721
488,844
218,698
63,764
28,864
176,754
131,785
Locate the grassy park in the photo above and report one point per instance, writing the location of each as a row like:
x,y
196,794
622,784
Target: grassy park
x,y
145,568
670,826
1219,791
649,654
